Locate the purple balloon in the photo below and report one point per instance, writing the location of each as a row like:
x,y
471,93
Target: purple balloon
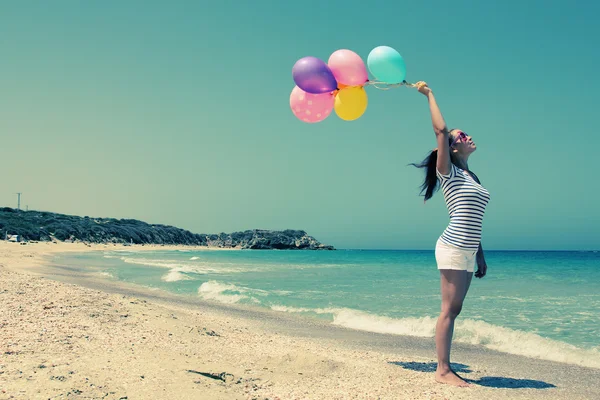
x,y
313,76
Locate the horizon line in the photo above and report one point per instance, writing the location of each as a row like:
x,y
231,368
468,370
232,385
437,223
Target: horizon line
x,y
505,250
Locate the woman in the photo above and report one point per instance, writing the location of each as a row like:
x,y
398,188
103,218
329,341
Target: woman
x,y
459,247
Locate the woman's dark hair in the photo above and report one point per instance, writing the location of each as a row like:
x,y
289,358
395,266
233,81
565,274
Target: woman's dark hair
x,y
430,184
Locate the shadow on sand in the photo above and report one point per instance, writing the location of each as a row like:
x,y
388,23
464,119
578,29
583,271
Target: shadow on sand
x,y
487,381
430,367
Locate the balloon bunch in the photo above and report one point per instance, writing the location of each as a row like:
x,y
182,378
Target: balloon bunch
x,y
340,84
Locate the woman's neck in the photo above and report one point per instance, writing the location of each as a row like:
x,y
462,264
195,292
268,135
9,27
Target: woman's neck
x,y
461,162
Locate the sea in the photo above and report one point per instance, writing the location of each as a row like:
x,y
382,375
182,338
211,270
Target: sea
x,y
539,304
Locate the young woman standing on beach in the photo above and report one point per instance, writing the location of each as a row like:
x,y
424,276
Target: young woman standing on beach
x,y
459,247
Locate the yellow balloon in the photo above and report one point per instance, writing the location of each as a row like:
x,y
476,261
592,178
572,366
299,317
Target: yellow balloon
x,y
351,103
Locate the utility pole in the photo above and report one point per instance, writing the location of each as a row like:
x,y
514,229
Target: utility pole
x,y
19,202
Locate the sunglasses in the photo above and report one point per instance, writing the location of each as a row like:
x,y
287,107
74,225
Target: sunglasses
x,y
461,137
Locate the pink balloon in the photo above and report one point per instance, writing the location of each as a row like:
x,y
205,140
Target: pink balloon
x,y
310,107
348,68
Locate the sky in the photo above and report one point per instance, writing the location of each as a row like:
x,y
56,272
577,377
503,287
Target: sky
x,y
178,113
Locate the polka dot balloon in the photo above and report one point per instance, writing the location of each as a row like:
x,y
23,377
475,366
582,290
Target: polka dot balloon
x,y
310,107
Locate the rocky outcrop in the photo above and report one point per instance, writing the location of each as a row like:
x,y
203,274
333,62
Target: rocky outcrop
x,y
46,226
262,239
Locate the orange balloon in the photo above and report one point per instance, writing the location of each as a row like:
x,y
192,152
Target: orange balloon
x,y
341,86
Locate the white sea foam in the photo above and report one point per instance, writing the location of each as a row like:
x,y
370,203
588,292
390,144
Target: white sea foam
x,y
213,290
306,310
189,267
175,275
282,292
150,262
195,265
467,331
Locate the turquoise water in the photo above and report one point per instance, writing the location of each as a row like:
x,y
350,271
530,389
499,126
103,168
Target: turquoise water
x,y
537,304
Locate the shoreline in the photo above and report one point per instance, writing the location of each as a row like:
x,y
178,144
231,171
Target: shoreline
x,y
268,354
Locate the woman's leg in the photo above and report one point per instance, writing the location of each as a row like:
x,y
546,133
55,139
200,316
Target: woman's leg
x,y
454,285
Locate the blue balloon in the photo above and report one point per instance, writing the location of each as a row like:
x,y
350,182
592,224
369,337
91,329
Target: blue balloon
x,y
387,65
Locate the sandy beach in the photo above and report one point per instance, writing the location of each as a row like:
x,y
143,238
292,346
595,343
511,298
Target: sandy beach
x,y
67,335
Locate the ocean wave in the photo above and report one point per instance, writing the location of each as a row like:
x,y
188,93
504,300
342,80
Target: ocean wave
x,y
469,331
332,311
195,266
282,292
152,263
229,293
216,267
200,268
523,343
175,275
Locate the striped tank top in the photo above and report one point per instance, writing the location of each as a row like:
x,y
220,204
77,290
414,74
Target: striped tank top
x,y
466,201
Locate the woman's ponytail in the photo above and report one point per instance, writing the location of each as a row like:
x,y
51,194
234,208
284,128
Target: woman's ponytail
x,y
430,184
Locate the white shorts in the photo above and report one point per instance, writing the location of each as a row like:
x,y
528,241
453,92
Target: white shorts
x,y
451,257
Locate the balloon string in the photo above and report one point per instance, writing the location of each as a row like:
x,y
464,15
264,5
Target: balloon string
x,y
387,86
380,85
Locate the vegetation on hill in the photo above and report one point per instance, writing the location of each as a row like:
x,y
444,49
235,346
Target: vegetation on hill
x,y
47,226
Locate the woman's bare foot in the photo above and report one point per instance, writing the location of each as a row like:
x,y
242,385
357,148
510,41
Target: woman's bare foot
x,y
449,377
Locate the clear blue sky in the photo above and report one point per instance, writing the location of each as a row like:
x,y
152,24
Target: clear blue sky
x,y
178,113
